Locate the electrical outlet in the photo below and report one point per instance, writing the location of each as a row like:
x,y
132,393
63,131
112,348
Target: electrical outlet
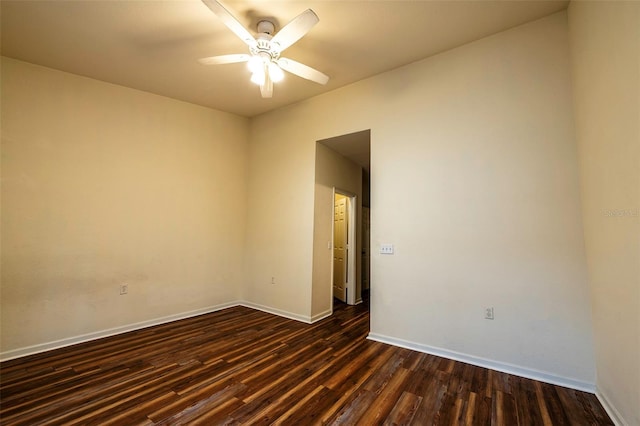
x,y
386,248
488,313
124,289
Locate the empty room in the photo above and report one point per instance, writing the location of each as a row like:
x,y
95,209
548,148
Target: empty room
x,y
320,212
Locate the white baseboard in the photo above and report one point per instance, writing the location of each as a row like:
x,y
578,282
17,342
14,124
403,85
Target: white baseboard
x,y
56,344
322,315
611,410
487,363
290,315
278,312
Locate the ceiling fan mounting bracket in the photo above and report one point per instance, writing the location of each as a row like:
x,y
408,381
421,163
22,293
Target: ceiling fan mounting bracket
x,y
266,27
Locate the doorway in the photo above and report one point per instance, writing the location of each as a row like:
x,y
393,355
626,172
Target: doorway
x,y
342,167
344,247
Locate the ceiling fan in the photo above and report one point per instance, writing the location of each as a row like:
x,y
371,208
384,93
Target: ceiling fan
x,y
263,58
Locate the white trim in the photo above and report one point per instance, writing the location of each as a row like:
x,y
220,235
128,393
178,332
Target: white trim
x,y
358,301
333,230
487,363
611,410
57,344
321,316
278,312
352,252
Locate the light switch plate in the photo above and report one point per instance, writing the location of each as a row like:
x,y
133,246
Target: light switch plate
x,y
386,249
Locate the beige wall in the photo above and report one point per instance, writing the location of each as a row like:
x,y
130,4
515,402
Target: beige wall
x,y
280,219
474,180
605,46
103,185
332,171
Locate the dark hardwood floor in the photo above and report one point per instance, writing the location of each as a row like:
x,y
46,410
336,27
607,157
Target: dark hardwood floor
x,y
241,366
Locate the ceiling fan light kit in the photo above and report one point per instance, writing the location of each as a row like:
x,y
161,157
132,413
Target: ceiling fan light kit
x,y
264,59
275,72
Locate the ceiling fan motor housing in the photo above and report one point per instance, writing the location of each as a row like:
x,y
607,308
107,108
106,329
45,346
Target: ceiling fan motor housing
x,y
263,45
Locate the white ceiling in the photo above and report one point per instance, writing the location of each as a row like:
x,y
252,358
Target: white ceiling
x,y
153,45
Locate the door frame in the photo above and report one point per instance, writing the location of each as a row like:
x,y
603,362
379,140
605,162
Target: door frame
x,y
351,245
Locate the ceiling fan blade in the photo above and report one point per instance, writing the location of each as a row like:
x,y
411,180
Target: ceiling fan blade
x,y
230,21
266,88
225,59
303,70
294,30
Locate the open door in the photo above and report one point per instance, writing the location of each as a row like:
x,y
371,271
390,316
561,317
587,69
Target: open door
x,y
344,248
340,247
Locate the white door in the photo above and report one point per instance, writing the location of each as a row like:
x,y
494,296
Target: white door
x,y
340,256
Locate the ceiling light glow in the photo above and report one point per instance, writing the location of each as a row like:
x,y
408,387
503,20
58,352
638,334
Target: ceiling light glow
x,y
275,72
258,76
255,63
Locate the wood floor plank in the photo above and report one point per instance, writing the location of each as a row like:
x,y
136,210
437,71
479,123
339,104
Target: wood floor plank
x,y
404,410
350,413
593,408
386,398
427,412
482,415
348,386
199,397
242,366
215,404
284,418
311,411
470,410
